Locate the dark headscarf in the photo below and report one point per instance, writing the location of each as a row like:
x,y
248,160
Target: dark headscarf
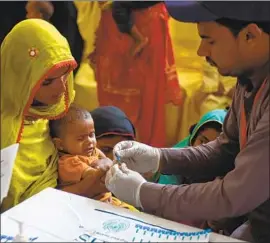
x,y
110,120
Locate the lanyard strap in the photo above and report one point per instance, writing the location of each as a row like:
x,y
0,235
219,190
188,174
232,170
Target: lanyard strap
x,y
243,119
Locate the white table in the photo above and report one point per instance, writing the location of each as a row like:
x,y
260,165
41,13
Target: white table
x,y
56,216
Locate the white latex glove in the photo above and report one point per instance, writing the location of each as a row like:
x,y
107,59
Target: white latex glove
x,y
125,184
137,156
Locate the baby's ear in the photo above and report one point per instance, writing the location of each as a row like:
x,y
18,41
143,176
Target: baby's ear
x,y
58,143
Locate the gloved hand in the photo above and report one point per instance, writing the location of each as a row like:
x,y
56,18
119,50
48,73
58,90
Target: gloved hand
x,y
125,184
137,156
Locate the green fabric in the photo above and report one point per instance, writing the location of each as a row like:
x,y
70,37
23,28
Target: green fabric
x,y
165,179
35,166
212,116
168,180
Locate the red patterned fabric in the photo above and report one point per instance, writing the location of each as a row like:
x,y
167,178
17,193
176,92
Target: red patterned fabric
x,y
141,85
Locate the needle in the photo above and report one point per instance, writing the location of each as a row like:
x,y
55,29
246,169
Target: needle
x,y
117,158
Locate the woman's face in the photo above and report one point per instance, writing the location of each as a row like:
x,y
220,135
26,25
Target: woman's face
x,y
107,143
53,87
205,136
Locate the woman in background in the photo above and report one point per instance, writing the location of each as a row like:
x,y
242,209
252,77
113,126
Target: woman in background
x,y
140,85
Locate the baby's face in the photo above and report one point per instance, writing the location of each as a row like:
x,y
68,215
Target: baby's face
x,y
79,138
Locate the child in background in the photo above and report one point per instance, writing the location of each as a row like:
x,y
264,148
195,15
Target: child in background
x,y
79,159
113,126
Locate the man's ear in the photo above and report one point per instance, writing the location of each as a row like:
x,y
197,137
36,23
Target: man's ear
x,y
252,31
58,143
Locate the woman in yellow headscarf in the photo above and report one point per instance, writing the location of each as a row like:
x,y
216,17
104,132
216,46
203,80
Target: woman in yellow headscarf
x,y
36,85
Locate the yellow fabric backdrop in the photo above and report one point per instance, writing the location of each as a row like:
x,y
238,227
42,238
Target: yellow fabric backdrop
x,y
197,78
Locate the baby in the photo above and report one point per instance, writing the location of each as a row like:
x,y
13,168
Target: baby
x,y
79,159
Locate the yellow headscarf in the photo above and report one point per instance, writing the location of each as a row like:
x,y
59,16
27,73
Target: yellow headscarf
x,y
31,50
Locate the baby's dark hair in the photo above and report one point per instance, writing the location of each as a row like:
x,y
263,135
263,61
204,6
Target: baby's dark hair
x,y
73,115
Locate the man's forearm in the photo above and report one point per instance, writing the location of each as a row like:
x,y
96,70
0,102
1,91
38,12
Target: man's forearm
x,y
241,191
213,159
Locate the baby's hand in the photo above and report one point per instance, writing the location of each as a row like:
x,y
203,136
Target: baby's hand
x,y
102,164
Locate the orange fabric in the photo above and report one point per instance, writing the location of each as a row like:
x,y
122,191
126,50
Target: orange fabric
x,y
243,121
140,86
71,169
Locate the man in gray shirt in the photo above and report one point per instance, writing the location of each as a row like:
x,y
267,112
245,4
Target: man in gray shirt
x,y
234,39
